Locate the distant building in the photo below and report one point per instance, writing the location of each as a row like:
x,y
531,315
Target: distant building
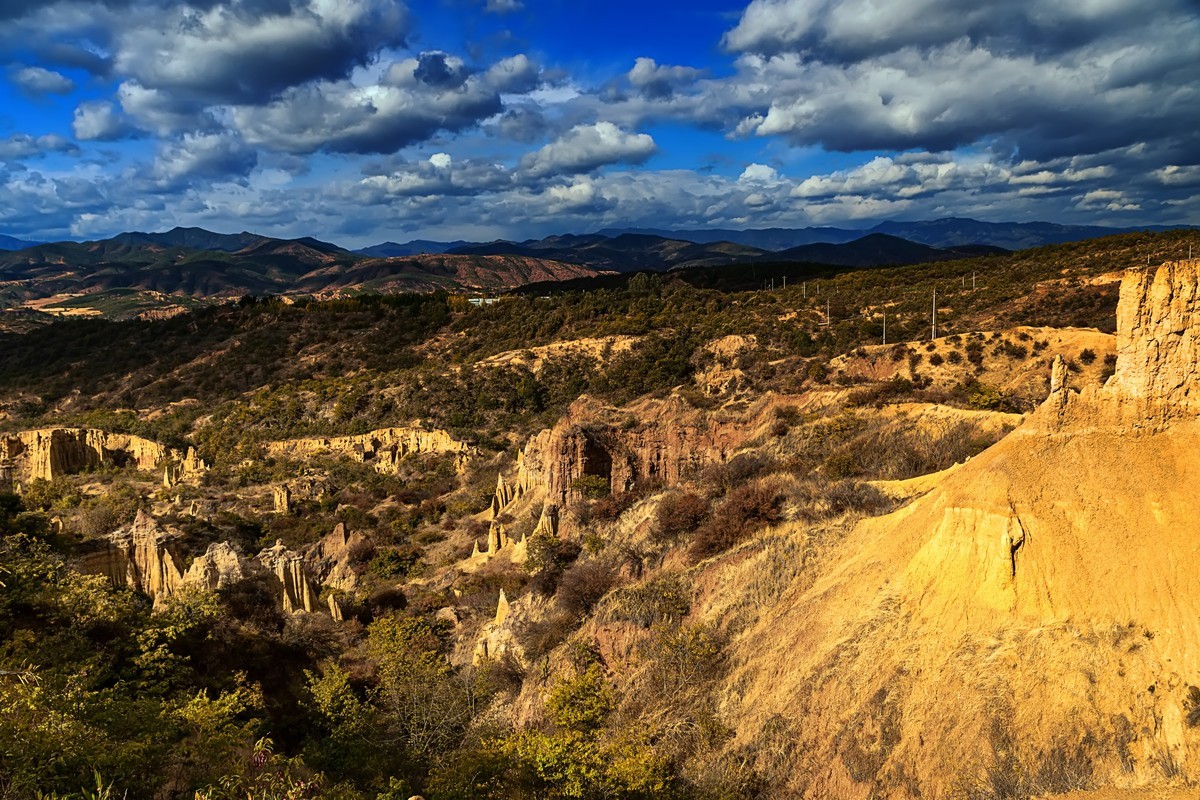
x,y
483,301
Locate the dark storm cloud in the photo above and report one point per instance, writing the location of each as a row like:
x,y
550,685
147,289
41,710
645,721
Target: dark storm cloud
x,y
437,70
848,31
249,52
1044,79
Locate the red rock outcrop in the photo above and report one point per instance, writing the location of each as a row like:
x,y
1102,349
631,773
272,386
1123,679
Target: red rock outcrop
x,y
669,440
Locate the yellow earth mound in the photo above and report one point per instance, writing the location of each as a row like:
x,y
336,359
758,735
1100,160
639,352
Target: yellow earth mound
x,y
1033,621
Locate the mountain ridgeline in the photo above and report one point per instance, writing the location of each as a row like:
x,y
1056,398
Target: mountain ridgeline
x,y
157,274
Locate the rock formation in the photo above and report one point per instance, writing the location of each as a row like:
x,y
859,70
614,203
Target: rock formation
x,y
146,558
508,493
141,556
53,452
220,566
331,560
296,591
384,449
671,441
281,497
1158,343
1040,605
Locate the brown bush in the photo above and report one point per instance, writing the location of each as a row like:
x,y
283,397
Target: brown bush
x,y
742,468
892,454
744,511
679,514
582,586
609,508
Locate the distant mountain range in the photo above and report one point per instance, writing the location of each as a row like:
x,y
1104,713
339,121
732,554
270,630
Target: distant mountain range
x,y
136,271
952,232
9,243
414,248
942,233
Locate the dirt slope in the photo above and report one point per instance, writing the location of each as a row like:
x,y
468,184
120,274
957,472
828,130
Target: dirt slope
x,y
1033,623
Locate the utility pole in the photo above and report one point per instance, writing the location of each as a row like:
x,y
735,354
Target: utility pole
x,y
934,314
972,281
885,327
785,281
828,318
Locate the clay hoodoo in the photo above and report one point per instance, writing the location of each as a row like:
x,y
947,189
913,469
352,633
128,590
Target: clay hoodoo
x,y
221,566
331,560
1041,605
145,557
295,589
384,449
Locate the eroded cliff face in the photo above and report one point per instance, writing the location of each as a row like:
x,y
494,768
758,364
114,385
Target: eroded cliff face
x,y
296,592
384,449
331,560
142,556
1038,610
1158,343
146,557
668,440
54,452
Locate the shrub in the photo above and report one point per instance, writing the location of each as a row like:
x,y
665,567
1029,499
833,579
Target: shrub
x,y
592,487
582,703
988,398
667,598
683,658
395,562
862,498
1087,355
583,584
548,556
1109,368
897,388
721,478
679,514
540,637
744,511
609,508
936,360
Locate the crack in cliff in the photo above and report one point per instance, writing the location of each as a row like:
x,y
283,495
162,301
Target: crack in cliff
x,y
1015,543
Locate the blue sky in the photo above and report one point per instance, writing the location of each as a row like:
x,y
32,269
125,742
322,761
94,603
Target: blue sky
x,y
361,121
